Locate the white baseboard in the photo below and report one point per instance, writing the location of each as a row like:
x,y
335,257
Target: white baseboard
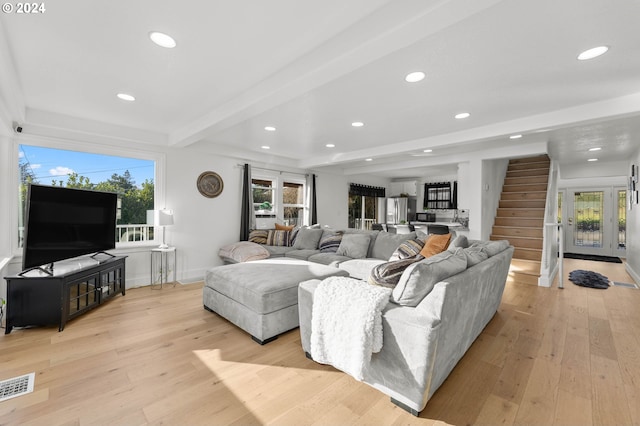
x,y
631,272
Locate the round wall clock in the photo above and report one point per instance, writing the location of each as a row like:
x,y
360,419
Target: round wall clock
x,y
210,184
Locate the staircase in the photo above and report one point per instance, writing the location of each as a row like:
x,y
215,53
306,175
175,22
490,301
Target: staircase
x,y
520,216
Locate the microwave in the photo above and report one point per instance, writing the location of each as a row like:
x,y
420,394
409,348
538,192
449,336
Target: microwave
x,y
425,217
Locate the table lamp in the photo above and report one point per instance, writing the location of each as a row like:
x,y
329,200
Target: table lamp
x,y
163,218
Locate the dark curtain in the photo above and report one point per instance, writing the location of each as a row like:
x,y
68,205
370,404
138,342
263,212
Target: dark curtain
x,y
314,201
247,204
366,190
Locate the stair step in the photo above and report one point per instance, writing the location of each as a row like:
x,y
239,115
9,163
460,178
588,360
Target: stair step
x,y
515,180
516,231
520,242
527,254
519,222
530,267
521,212
528,172
524,204
535,159
524,187
531,195
528,166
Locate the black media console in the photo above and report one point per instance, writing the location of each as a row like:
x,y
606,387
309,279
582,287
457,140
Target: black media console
x,y
47,300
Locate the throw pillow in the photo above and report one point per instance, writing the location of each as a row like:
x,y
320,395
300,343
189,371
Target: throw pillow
x,y
420,278
355,246
259,236
475,255
242,251
278,238
330,242
409,248
293,234
386,243
491,247
307,239
284,227
436,243
459,242
388,274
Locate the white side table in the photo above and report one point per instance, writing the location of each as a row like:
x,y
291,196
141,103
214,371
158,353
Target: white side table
x,y
162,265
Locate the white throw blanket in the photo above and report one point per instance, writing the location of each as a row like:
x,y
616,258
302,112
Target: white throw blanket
x,y
346,323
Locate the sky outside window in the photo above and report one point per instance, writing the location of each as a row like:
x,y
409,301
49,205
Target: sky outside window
x,y
47,165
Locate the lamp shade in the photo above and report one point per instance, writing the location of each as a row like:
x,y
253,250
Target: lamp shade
x,y
163,217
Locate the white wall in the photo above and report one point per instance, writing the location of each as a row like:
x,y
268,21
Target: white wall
x,y
332,191
201,225
493,174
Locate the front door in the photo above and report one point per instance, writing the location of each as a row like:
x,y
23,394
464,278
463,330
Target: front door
x,y
595,221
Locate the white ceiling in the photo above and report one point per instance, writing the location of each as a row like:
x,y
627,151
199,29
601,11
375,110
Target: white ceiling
x,y
310,68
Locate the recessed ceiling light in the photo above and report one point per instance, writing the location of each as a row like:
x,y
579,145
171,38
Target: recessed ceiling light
x,y
462,115
265,147
592,159
515,136
368,159
162,40
330,145
414,77
593,53
597,148
427,150
270,128
126,97
357,124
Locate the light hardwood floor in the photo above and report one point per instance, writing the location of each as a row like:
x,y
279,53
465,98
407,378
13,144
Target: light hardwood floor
x,y
549,356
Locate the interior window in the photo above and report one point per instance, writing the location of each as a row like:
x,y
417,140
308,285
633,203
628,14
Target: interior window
x,y
278,199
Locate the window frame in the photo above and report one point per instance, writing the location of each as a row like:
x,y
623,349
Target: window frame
x,y
159,180
279,179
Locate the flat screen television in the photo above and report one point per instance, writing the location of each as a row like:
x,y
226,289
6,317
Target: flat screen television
x,y
62,223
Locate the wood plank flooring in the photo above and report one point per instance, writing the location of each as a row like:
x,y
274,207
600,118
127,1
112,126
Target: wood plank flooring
x,y
549,356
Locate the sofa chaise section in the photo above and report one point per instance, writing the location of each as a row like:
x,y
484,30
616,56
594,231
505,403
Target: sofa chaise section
x,y
261,297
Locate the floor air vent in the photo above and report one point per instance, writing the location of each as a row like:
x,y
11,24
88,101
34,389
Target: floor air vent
x,y
16,386
628,285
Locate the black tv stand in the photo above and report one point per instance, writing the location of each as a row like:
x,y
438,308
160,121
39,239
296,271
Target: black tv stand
x,y
94,255
41,299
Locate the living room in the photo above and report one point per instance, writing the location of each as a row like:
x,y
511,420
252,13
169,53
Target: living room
x,y
328,73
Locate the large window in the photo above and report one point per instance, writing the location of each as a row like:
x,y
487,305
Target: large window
x,y
280,199
131,178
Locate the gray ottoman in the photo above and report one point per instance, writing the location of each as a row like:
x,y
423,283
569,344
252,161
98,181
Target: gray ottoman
x,y
261,297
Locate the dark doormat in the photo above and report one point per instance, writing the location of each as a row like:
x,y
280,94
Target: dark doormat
x,y
589,279
597,258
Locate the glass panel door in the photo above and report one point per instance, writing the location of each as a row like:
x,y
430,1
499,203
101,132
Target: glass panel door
x,y
595,221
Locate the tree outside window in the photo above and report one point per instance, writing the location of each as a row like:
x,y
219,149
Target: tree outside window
x,y
82,170
271,207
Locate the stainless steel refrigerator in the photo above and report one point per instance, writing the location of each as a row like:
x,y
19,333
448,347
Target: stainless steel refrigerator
x,y
401,210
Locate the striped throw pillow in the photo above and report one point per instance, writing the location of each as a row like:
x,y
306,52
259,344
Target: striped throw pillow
x,y
278,237
259,236
409,248
388,274
330,242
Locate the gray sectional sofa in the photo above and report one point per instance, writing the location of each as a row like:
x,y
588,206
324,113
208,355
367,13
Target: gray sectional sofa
x,y
425,337
436,311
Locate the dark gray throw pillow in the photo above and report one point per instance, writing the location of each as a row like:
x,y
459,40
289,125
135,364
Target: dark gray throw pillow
x,y
355,246
307,239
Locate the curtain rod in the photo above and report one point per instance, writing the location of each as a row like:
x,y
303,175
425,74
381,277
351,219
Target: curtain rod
x,y
274,170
